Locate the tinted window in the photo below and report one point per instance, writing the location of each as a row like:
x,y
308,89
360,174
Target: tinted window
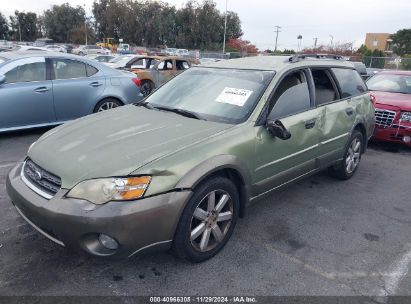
x,y
350,81
325,91
291,96
27,72
90,70
66,69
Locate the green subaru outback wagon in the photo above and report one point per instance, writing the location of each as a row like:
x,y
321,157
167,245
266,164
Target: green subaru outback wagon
x,y
178,169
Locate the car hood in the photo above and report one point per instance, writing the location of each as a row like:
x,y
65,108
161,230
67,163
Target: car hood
x,y
116,142
402,101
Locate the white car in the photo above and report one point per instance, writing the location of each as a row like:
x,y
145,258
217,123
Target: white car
x,y
90,49
56,48
30,48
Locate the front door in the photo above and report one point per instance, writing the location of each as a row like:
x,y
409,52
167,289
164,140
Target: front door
x,y
26,98
279,161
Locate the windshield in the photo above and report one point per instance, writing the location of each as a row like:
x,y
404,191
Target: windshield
x,y
121,59
390,83
221,95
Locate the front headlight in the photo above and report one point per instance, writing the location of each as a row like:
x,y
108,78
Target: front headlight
x,y
101,191
406,116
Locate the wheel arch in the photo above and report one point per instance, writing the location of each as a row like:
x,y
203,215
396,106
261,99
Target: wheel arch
x,y
223,165
361,128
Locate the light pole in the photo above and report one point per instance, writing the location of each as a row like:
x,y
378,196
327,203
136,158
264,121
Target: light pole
x,y
225,25
276,37
299,38
85,23
332,41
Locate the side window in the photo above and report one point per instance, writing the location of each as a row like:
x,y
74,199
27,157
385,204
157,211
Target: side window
x,y
325,90
67,69
90,70
26,70
350,81
182,65
291,96
165,65
139,63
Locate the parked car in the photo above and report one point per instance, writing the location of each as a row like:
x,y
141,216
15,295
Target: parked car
x,y
22,48
41,42
123,62
361,69
179,168
56,48
170,51
42,89
124,48
101,58
391,93
182,52
154,71
90,49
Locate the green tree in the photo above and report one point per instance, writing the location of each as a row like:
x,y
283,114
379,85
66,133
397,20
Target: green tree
x,y
24,26
62,20
402,42
4,27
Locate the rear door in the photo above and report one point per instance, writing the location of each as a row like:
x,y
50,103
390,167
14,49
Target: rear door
x,y
77,87
279,161
338,108
165,71
26,98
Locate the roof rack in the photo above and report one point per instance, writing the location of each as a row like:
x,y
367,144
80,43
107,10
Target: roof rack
x,y
300,57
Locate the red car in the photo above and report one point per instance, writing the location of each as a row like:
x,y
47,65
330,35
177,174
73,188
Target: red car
x,y
391,95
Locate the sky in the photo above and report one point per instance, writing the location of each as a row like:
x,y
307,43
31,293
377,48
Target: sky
x,y
337,20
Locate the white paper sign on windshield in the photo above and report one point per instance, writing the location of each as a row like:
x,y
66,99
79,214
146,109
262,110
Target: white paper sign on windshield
x,y
237,97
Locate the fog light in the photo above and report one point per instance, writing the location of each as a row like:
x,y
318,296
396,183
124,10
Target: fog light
x,y
108,242
406,139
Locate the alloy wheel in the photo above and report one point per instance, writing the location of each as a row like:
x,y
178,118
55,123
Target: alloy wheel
x,y
211,220
353,156
107,106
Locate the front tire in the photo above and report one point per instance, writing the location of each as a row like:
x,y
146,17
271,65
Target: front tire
x,y
352,156
208,220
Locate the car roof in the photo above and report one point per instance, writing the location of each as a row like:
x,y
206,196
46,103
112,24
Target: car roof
x,y
275,63
25,54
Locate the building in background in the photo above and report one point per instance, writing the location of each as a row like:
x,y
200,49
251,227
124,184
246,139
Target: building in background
x,y
379,41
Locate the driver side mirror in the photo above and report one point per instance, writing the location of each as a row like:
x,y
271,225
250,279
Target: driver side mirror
x,y
2,79
277,129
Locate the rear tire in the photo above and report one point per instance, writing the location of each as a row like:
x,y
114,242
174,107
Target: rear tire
x,y
147,87
207,221
107,104
347,167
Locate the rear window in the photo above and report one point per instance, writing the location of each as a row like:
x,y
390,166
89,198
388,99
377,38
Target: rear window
x,y
350,81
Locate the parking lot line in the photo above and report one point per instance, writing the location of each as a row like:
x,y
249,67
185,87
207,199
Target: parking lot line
x,y
6,165
398,270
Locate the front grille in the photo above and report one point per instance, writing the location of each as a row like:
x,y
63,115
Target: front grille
x,y
384,118
40,180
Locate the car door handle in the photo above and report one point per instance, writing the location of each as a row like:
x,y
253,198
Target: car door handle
x,y
96,84
309,124
41,90
349,111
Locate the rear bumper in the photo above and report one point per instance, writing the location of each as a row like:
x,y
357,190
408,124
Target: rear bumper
x,y
393,134
138,226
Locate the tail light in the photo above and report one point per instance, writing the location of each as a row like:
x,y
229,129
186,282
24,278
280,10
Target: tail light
x,y
137,81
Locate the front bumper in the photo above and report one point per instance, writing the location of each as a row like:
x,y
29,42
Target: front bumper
x,y
394,134
138,226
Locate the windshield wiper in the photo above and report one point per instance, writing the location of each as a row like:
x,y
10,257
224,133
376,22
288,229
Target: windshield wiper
x,y
144,104
182,112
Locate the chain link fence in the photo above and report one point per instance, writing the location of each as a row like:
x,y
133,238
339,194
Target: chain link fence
x,y
392,63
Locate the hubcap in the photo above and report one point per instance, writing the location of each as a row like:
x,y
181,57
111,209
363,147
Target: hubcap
x,y
353,156
211,220
107,106
145,89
